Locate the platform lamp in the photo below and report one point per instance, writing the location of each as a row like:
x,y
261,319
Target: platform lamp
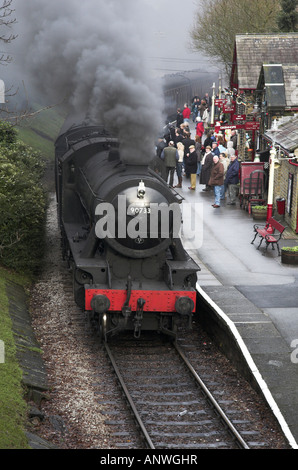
x,y
273,162
271,187
213,105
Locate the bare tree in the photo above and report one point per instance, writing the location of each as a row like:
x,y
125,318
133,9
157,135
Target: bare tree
x,y
13,116
218,21
6,22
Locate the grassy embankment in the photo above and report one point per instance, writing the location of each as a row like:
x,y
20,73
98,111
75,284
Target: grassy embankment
x,y
13,407
40,134
41,131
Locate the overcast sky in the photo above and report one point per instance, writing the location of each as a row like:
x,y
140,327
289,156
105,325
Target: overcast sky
x,y
165,25
168,24
99,56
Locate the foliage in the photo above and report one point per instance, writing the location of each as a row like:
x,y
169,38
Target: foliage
x,y
287,19
292,249
218,21
22,201
259,208
7,133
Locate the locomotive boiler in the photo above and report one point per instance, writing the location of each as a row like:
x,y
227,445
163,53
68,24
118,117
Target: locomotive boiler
x,y
120,234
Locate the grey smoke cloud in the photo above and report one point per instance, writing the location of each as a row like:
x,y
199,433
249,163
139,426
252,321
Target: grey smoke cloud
x,y
91,52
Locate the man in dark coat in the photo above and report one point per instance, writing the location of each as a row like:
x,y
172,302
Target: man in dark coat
x,y
206,168
187,142
191,164
179,118
170,156
234,139
232,179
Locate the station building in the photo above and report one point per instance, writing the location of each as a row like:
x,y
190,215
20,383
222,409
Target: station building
x,y
265,75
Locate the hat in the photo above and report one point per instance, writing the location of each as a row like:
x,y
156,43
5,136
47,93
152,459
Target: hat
x,y
191,147
198,119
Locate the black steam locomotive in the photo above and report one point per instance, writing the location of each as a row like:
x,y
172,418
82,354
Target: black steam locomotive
x,y
130,270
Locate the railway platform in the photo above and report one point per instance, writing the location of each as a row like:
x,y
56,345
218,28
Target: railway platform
x,y
254,299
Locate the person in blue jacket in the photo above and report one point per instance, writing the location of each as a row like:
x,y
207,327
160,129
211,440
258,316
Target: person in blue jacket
x,y
232,180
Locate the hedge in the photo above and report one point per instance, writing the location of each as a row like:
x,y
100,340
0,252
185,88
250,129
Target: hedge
x,y
22,203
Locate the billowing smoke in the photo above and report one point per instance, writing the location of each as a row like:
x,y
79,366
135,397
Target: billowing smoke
x,y
91,54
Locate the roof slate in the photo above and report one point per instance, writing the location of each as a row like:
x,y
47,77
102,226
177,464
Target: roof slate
x,y
291,84
287,134
253,50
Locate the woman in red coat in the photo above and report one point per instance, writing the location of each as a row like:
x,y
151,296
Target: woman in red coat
x,y
199,127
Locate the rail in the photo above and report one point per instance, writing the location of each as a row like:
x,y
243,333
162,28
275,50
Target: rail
x,y
206,393
129,399
212,400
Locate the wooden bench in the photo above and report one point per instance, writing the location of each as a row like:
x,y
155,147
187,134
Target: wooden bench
x,y
268,236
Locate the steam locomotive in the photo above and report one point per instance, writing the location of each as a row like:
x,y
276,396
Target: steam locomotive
x,y
130,270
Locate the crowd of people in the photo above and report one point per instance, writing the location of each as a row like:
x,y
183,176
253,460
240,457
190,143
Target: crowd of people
x,y
207,157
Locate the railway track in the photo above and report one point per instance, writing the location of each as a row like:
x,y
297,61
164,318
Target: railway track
x,y
86,408
170,402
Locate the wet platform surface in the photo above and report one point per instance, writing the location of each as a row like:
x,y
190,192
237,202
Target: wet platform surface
x,y
256,295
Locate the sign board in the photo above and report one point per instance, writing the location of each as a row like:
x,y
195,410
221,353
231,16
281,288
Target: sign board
x,y
231,127
252,126
239,117
229,108
219,103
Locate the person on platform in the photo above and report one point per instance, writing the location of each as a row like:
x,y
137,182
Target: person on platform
x,y
199,128
178,136
198,147
186,113
225,161
160,145
187,142
204,113
170,156
221,144
208,100
179,118
234,139
179,164
217,180
215,149
232,179
207,163
209,139
191,163
195,108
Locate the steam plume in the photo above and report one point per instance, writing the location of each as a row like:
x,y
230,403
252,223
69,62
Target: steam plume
x,y
91,53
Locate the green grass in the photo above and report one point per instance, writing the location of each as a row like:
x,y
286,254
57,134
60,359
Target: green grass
x,y
13,407
41,130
